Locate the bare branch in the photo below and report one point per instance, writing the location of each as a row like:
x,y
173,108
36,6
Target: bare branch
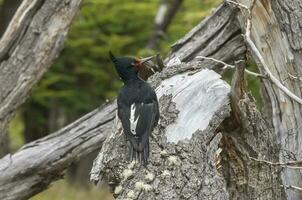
x,y
233,66
292,187
294,77
33,167
255,74
218,61
289,164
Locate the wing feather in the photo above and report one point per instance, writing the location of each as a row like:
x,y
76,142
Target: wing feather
x,y
138,120
146,118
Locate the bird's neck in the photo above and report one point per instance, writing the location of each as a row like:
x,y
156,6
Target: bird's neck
x,y
131,80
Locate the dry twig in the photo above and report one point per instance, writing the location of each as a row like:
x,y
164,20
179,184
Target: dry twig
x,y
289,164
294,77
292,187
226,65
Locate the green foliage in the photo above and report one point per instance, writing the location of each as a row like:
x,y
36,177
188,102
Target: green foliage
x,y
16,128
62,190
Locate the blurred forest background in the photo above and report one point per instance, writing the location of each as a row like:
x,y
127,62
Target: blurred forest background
x,y
82,78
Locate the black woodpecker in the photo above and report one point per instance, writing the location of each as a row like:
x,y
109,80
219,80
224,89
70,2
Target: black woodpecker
x,y
137,107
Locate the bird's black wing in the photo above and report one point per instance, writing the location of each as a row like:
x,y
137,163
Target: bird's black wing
x,y
138,122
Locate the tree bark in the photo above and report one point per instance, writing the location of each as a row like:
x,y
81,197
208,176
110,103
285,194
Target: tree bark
x,y
11,178
31,169
32,41
207,143
197,146
7,10
276,32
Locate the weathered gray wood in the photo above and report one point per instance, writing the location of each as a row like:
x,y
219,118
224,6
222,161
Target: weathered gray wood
x,y
289,123
247,135
276,32
179,150
31,42
33,167
53,171
7,11
206,159
210,161
201,92
197,151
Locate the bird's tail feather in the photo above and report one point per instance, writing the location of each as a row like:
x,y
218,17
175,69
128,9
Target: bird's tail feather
x,y
140,155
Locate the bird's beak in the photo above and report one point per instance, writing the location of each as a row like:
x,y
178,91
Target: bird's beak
x,y
144,63
150,65
144,60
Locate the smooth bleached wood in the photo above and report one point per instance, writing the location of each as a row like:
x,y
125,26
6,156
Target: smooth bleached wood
x,y
202,92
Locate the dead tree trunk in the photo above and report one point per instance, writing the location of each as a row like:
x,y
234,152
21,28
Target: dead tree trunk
x,y
32,41
84,135
7,10
207,142
204,156
33,167
211,143
276,31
